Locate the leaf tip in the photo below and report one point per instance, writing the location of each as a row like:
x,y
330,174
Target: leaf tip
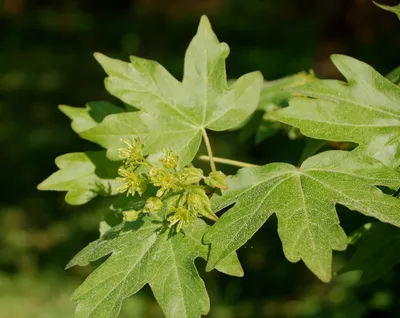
x,y
41,186
205,23
101,58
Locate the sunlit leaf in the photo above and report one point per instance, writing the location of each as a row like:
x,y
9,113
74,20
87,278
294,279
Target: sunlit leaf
x,y
142,254
84,175
90,116
177,112
365,110
304,201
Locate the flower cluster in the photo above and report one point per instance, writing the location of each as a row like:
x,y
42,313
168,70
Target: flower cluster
x,y
179,191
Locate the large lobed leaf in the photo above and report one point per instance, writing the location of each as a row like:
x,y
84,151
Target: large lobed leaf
x,y
365,110
141,254
176,112
84,175
304,202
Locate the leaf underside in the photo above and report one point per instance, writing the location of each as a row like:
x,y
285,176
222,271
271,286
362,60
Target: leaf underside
x,y
304,202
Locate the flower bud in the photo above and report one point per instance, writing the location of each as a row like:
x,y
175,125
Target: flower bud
x,y
198,201
216,179
153,205
131,215
189,175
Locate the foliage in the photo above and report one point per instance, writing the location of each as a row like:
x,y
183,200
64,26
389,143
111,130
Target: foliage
x,y
162,197
376,253
394,9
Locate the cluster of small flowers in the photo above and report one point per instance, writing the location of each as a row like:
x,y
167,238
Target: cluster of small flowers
x,y
179,190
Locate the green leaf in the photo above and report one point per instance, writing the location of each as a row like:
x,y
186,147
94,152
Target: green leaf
x,y
276,94
140,255
394,76
394,9
178,111
377,251
304,202
90,116
365,110
312,146
84,175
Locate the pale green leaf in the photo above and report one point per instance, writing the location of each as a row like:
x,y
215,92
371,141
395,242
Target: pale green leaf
x,y
304,202
156,134
142,254
276,94
377,251
365,110
180,110
394,9
84,175
90,116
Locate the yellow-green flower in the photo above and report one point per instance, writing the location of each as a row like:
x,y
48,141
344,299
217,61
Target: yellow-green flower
x,y
133,152
181,216
132,182
170,160
163,179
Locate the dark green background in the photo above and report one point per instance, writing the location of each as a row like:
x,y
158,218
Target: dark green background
x,y
46,59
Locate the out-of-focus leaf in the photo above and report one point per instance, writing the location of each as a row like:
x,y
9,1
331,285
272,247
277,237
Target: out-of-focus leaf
x,y
377,251
394,9
311,147
394,75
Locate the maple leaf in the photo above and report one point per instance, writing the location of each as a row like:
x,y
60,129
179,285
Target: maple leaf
x,y
377,251
84,175
90,116
394,9
177,113
142,254
365,110
394,76
304,202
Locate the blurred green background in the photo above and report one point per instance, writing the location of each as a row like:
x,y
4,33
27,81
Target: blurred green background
x,y
46,59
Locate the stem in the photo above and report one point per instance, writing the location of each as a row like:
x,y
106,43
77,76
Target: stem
x,y
229,162
210,156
